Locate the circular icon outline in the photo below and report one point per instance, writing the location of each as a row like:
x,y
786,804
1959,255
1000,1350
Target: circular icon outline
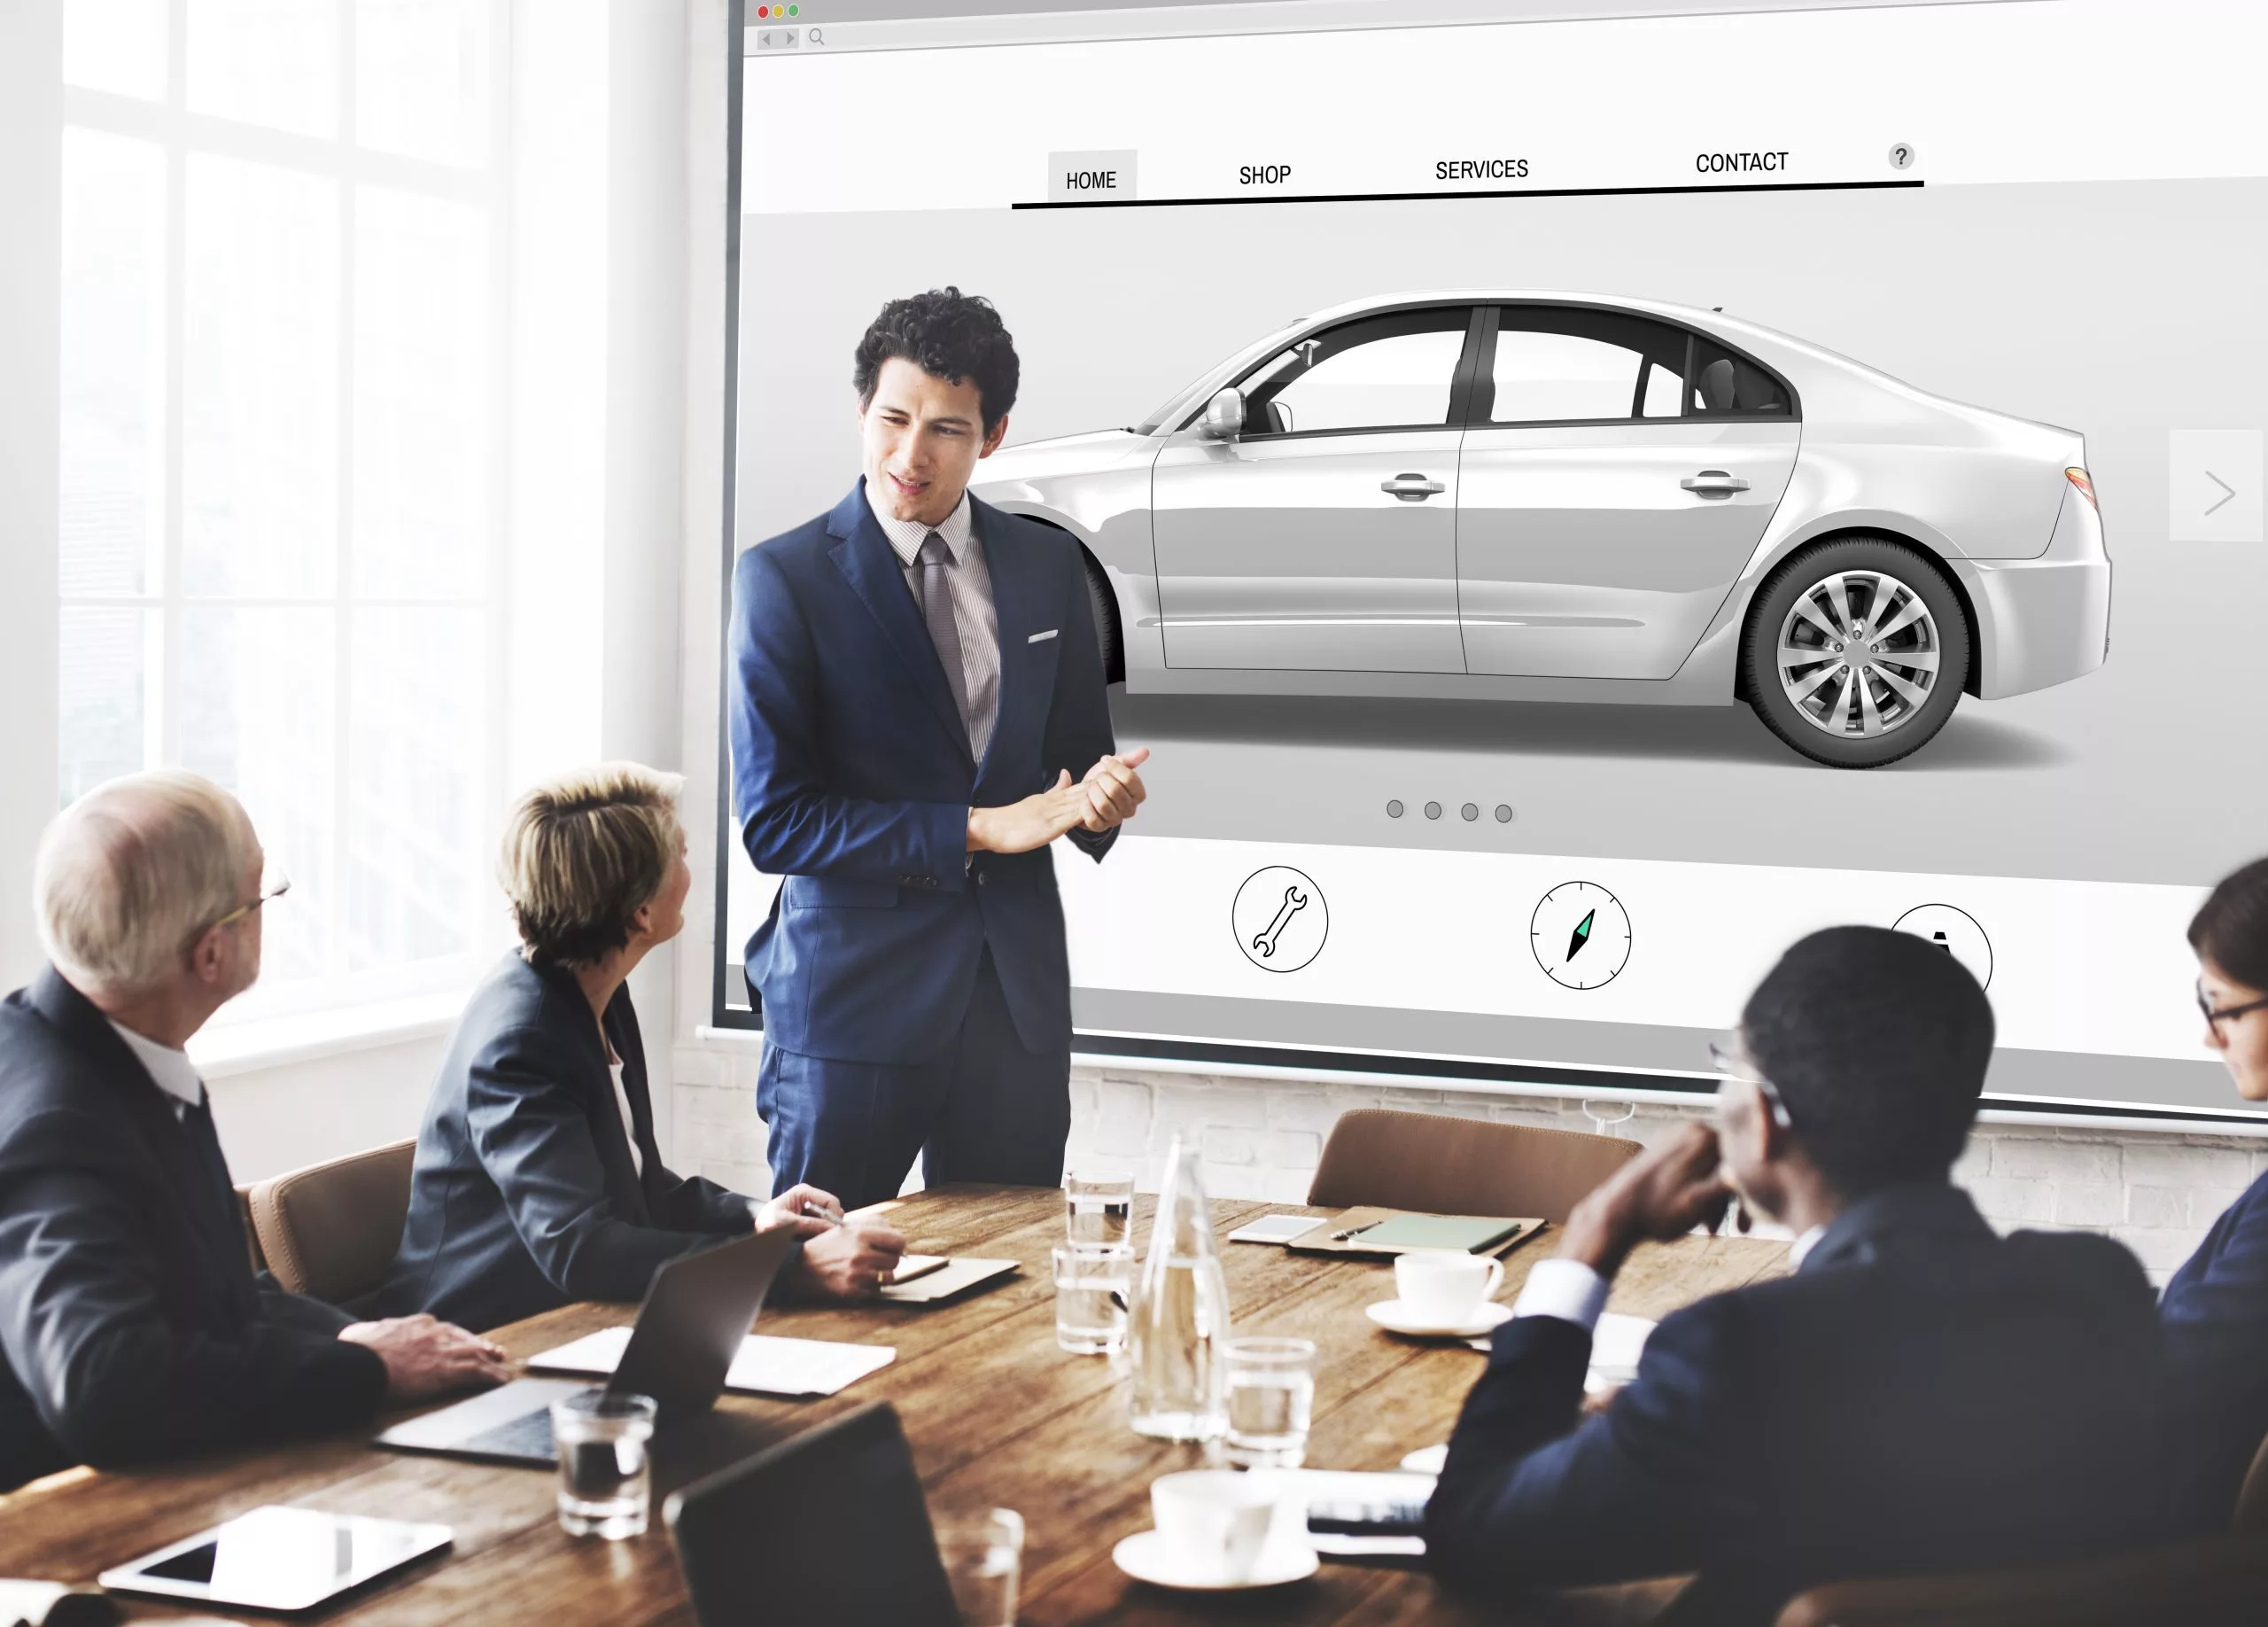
x,y
1629,935
1992,958
1237,932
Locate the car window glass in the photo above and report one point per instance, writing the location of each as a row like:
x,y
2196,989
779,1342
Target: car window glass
x,y
1728,385
1554,363
1387,372
1664,392
1543,376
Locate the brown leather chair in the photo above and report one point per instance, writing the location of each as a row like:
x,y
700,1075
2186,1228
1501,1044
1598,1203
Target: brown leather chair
x,y
2212,1582
1435,1165
331,1229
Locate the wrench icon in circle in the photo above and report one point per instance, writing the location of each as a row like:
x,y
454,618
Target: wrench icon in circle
x,y
1294,901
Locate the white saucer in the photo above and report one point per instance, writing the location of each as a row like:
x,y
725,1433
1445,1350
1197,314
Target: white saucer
x,y
1143,1557
1390,1315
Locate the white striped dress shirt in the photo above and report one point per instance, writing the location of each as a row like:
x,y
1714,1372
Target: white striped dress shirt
x,y
969,583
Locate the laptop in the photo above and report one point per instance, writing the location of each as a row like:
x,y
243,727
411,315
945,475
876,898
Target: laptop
x,y
765,1540
698,1311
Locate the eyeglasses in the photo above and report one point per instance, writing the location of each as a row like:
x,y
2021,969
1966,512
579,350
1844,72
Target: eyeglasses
x,y
273,884
2225,1013
1732,1061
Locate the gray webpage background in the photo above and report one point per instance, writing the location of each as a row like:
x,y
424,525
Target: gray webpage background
x,y
2122,309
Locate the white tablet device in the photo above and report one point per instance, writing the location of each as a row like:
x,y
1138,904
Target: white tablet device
x,y
1275,1228
278,1558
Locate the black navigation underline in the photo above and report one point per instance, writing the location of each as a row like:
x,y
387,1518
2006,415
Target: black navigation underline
x,y
1557,191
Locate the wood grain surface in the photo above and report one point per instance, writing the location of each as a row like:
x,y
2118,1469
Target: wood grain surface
x,y
997,1416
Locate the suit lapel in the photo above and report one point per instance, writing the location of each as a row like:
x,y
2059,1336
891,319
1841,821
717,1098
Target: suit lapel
x,y
862,555
1015,616
171,1145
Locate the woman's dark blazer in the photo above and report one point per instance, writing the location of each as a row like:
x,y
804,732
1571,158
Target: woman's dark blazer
x,y
524,1197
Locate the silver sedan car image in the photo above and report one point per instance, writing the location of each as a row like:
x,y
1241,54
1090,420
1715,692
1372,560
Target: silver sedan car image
x,y
1565,497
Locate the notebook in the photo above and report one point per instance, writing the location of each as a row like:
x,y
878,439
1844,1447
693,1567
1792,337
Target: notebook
x,y
954,1277
765,1366
1384,1232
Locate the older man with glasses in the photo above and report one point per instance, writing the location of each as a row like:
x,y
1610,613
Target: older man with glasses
x,y
131,1324
1917,1395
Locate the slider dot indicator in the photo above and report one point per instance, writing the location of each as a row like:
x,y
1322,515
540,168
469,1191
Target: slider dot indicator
x,y
1393,809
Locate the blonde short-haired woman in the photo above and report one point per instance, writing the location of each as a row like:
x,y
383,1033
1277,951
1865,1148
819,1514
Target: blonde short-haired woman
x,y
537,1180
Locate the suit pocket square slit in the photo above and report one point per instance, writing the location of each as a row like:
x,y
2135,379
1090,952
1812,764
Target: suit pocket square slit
x,y
1040,638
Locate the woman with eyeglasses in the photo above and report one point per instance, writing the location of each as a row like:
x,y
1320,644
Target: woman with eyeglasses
x,y
2214,1311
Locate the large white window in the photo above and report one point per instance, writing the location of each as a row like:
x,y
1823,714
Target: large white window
x,y
282,505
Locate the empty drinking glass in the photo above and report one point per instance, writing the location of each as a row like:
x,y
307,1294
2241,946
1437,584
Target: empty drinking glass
x,y
1272,1398
1092,1286
984,1553
605,1478
1099,1207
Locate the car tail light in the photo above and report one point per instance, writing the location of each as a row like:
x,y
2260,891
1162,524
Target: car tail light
x,y
2079,478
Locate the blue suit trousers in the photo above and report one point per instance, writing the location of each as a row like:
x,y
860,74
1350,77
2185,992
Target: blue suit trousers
x,y
985,1108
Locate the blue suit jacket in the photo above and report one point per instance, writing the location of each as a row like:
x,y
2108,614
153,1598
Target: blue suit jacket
x,y
2215,1315
524,1197
853,779
1922,1396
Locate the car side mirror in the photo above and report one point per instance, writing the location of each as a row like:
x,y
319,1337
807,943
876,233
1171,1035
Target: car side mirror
x,y
1224,418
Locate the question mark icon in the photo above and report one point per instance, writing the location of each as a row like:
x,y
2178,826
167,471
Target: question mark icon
x,y
1901,157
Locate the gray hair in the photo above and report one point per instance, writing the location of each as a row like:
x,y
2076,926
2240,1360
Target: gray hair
x,y
130,875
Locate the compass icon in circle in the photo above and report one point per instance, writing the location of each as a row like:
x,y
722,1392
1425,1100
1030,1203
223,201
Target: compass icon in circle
x,y
1581,934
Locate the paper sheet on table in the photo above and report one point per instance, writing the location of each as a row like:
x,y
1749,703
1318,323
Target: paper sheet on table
x,y
765,1366
1616,1344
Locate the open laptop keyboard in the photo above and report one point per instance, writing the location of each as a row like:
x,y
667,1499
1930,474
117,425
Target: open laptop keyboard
x,y
528,1435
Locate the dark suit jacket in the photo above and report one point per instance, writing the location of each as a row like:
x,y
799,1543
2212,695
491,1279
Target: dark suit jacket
x,y
853,779
130,1321
523,1196
1921,1396
2215,1316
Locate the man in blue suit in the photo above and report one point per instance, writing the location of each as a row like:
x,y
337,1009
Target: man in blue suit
x,y
918,712
1918,1395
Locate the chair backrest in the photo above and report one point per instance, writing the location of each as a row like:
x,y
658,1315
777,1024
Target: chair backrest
x,y
2218,1581
331,1229
1439,1165
2252,1499
828,1527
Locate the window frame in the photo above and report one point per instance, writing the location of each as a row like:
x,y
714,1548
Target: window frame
x,y
177,134
1483,381
1461,376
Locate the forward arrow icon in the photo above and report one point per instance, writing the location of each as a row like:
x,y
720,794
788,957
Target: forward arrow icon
x,y
2227,491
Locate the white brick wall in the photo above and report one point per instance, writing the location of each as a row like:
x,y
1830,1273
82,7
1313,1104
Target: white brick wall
x,y
2155,1192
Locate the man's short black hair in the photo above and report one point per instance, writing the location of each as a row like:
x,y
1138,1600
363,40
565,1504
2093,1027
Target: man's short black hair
x,y
2231,929
948,335
1877,1043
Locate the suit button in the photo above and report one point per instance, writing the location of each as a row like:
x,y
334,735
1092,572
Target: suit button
x,y
980,878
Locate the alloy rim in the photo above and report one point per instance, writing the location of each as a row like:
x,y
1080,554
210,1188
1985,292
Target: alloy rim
x,y
1858,654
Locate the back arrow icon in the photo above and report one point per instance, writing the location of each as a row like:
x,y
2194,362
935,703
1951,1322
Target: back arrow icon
x,y
2229,491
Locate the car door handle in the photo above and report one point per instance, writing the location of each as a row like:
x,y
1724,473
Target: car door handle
x,y
1714,483
1411,487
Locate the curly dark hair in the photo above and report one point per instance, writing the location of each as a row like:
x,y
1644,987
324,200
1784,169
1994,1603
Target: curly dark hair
x,y
948,335
1878,1042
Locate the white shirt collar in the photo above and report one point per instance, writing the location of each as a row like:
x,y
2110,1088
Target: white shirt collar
x,y
174,1073
907,536
1800,1249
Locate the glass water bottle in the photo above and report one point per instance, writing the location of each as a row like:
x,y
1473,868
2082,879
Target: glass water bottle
x,y
1178,1330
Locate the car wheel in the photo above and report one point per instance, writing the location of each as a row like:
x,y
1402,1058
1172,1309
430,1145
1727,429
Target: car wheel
x,y
1856,652
1104,604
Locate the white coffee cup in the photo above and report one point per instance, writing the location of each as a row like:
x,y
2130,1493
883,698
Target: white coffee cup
x,y
1212,1522
1445,1287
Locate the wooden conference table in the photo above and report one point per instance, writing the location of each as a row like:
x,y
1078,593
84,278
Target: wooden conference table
x,y
997,1417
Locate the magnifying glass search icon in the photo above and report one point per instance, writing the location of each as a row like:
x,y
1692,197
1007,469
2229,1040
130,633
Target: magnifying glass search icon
x,y
814,36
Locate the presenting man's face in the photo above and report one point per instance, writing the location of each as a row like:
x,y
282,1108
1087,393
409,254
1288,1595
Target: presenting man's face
x,y
921,438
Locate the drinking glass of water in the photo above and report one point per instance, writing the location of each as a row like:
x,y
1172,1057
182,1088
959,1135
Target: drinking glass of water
x,y
1272,1398
1092,1290
605,1478
1099,1207
983,1553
